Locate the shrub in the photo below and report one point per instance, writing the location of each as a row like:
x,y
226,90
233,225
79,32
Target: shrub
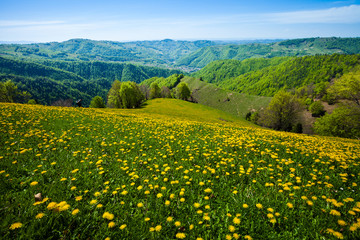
x,y
317,109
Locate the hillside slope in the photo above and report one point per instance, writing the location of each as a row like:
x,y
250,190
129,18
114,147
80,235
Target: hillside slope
x,y
296,47
287,74
237,104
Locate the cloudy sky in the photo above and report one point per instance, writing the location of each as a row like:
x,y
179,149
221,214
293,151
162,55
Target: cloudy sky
x,y
52,20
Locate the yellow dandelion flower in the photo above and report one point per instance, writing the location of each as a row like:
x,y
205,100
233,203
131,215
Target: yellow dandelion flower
x,y
259,205
236,236
181,235
341,222
338,235
52,205
335,212
140,205
245,205
197,205
228,237
158,228
290,205
93,202
147,219
232,228
248,237
122,226
15,225
78,198
111,224
208,190
34,183
177,223
236,221
75,211
39,215
273,220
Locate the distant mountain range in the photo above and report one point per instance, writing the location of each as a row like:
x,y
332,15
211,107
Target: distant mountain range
x,y
184,55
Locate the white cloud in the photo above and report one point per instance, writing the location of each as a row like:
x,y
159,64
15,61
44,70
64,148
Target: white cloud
x,y
347,14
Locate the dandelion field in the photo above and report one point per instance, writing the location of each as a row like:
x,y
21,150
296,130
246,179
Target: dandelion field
x,y
127,174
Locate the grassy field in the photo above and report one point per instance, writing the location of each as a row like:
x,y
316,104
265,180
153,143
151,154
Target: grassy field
x,y
143,174
237,104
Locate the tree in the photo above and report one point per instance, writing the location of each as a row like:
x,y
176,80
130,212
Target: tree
x,y
155,91
182,91
344,121
317,109
125,95
9,93
281,114
114,100
347,87
97,102
165,92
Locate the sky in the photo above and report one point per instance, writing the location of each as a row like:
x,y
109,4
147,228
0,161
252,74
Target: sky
x,y
119,20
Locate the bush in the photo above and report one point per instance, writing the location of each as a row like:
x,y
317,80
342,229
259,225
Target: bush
x,y
32,102
343,122
297,128
317,109
97,102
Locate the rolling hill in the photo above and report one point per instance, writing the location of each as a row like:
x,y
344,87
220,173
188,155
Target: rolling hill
x,y
270,75
296,47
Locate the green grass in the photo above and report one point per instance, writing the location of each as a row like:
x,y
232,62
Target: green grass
x,y
237,104
121,174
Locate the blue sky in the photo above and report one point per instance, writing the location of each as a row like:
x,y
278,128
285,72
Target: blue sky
x,y
52,20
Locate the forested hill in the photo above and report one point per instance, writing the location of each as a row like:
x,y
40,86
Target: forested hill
x,y
54,80
185,55
296,47
289,73
155,53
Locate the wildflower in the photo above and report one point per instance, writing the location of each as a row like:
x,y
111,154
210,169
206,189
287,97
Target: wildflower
x,y
232,228
97,194
236,236
236,220
147,219
75,211
92,202
78,198
228,237
108,216
52,205
341,222
270,210
335,212
33,183
122,226
180,235
177,223
273,220
259,205
197,205
15,225
248,237
245,205
208,190
99,206
39,215
290,205
111,225
169,219
158,228
140,205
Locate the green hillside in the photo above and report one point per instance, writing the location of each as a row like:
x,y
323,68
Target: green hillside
x,y
237,104
290,73
220,70
165,172
155,53
297,47
62,80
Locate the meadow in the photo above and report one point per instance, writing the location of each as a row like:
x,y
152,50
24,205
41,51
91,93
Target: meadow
x,y
193,173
